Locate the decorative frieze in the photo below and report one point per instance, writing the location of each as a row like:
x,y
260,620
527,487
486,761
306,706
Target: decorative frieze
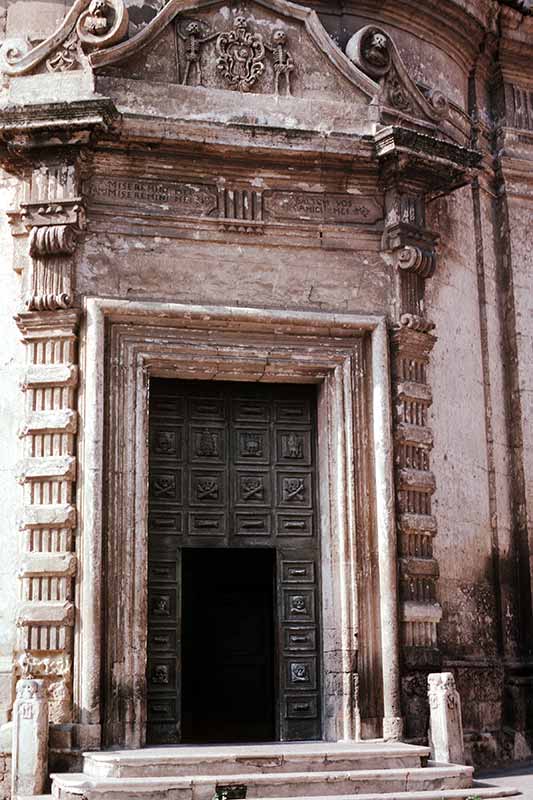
x,y
238,56
48,473
243,209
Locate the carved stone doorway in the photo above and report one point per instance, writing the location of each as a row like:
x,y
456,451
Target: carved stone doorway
x,y
234,563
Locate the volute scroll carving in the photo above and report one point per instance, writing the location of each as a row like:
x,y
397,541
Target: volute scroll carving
x,y
421,261
53,240
54,232
415,322
373,51
89,25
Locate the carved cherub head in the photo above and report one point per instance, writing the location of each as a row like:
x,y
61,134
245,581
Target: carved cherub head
x,y
279,37
241,22
376,50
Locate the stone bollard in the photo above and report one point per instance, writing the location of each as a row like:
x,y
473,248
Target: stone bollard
x,y
30,738
446,725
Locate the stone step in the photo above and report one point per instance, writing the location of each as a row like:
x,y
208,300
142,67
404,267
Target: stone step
x,y
483,792
251,759
266,785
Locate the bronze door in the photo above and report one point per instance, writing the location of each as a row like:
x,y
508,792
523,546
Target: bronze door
x,y
232,467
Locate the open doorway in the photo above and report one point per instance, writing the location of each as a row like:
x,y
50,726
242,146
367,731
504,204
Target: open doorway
x,y
228,658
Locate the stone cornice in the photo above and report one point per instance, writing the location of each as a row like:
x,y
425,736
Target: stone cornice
x,y
28,129
426,162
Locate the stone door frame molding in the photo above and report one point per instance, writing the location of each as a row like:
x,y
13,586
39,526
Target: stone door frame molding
x,y
123,344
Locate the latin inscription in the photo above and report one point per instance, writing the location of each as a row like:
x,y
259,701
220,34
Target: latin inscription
x,y
184,199
320,207
201,200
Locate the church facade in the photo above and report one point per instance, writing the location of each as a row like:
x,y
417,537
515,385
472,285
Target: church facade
x,y
267,399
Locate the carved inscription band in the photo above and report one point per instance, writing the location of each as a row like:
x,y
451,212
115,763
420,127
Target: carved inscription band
x,y
203,200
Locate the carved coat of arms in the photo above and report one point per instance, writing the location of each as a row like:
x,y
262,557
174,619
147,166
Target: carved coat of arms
x,y
241,55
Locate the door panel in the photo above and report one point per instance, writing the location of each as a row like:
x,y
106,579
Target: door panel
x,y
233,466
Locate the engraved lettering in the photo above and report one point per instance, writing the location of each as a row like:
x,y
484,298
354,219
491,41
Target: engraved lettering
x,y
182,199
322,208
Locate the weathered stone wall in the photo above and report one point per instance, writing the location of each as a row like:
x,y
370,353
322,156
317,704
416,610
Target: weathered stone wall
x,y
5,776
481,421
467,585
11,368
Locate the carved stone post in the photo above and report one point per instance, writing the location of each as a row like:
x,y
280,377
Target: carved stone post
x,y
446,726
54,217
30,739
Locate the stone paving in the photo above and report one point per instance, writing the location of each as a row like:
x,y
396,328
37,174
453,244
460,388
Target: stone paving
x,y
519,776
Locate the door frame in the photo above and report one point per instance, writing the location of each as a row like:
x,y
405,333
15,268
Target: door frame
x,y
123,344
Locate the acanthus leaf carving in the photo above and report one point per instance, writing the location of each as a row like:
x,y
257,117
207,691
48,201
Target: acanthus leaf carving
x,y
373,51
66,57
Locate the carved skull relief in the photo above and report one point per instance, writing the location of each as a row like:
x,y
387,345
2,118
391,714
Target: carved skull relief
x,y
96,22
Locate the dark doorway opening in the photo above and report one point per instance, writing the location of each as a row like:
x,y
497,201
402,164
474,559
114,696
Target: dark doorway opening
x,y
228,660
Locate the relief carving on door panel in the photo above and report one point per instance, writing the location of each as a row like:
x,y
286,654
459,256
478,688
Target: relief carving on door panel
x,y
234,465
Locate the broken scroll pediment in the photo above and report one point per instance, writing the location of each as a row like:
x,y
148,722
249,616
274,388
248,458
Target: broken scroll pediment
x,y
261,47
89,25
373,51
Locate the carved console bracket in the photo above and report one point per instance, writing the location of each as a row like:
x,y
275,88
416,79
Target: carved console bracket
x,y
414,249
90,25
54,233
